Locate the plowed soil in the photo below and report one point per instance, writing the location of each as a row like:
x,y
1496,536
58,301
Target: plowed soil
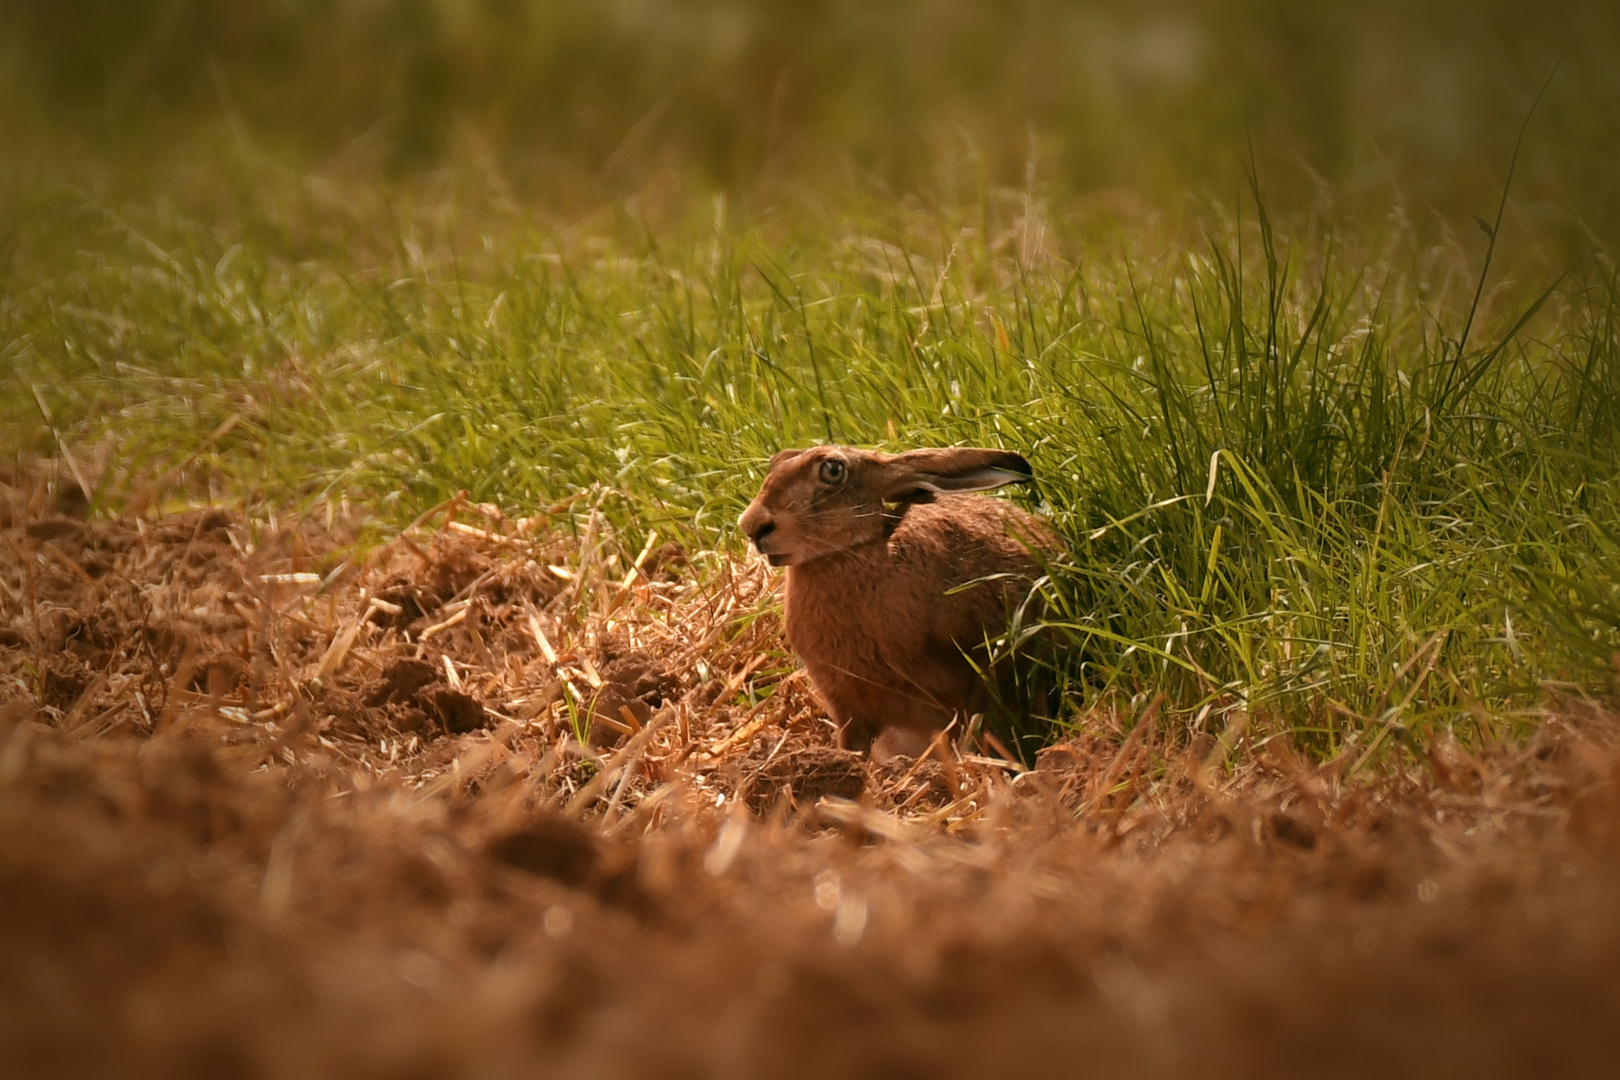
x,y
501,798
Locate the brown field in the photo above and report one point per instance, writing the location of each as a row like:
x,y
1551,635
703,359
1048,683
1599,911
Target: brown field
x,y
271,805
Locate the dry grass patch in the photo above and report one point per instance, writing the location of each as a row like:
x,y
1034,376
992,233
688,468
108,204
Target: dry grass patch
x,y
502,798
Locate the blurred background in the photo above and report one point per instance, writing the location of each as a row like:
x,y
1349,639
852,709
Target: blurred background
x,y
581,99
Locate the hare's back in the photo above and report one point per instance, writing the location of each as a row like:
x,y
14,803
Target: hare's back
x,y
959,539
971,534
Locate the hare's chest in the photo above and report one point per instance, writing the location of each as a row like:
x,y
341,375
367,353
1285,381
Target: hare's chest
x,y
833,622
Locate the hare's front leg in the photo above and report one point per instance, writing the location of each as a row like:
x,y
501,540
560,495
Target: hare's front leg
x,y
882,720
856,727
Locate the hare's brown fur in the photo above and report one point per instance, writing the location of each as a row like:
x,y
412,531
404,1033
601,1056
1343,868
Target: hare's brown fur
x,y
872,561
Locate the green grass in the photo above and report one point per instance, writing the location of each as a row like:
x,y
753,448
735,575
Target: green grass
x,y
1292,493
1320,472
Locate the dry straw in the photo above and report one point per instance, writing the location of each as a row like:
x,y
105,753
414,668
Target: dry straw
x,y
493,797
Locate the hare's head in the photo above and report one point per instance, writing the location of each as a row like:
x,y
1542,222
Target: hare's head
x,y
827,499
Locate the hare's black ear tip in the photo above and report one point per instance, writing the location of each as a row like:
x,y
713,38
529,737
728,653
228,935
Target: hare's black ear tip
x,y
1003,468
1016,463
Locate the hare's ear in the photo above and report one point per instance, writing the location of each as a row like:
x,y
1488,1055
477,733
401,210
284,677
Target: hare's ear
x,y
919,475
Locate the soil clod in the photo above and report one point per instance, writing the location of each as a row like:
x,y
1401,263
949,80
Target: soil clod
x,y
806,774
401,681
550,846
456,711
54,529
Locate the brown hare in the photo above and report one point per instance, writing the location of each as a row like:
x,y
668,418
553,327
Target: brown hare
x,y
895,579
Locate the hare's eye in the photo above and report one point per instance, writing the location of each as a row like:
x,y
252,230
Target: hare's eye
x,y
832,471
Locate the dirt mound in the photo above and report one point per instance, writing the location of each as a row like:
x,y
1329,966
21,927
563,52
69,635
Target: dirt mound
x,y
254,822
802,776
